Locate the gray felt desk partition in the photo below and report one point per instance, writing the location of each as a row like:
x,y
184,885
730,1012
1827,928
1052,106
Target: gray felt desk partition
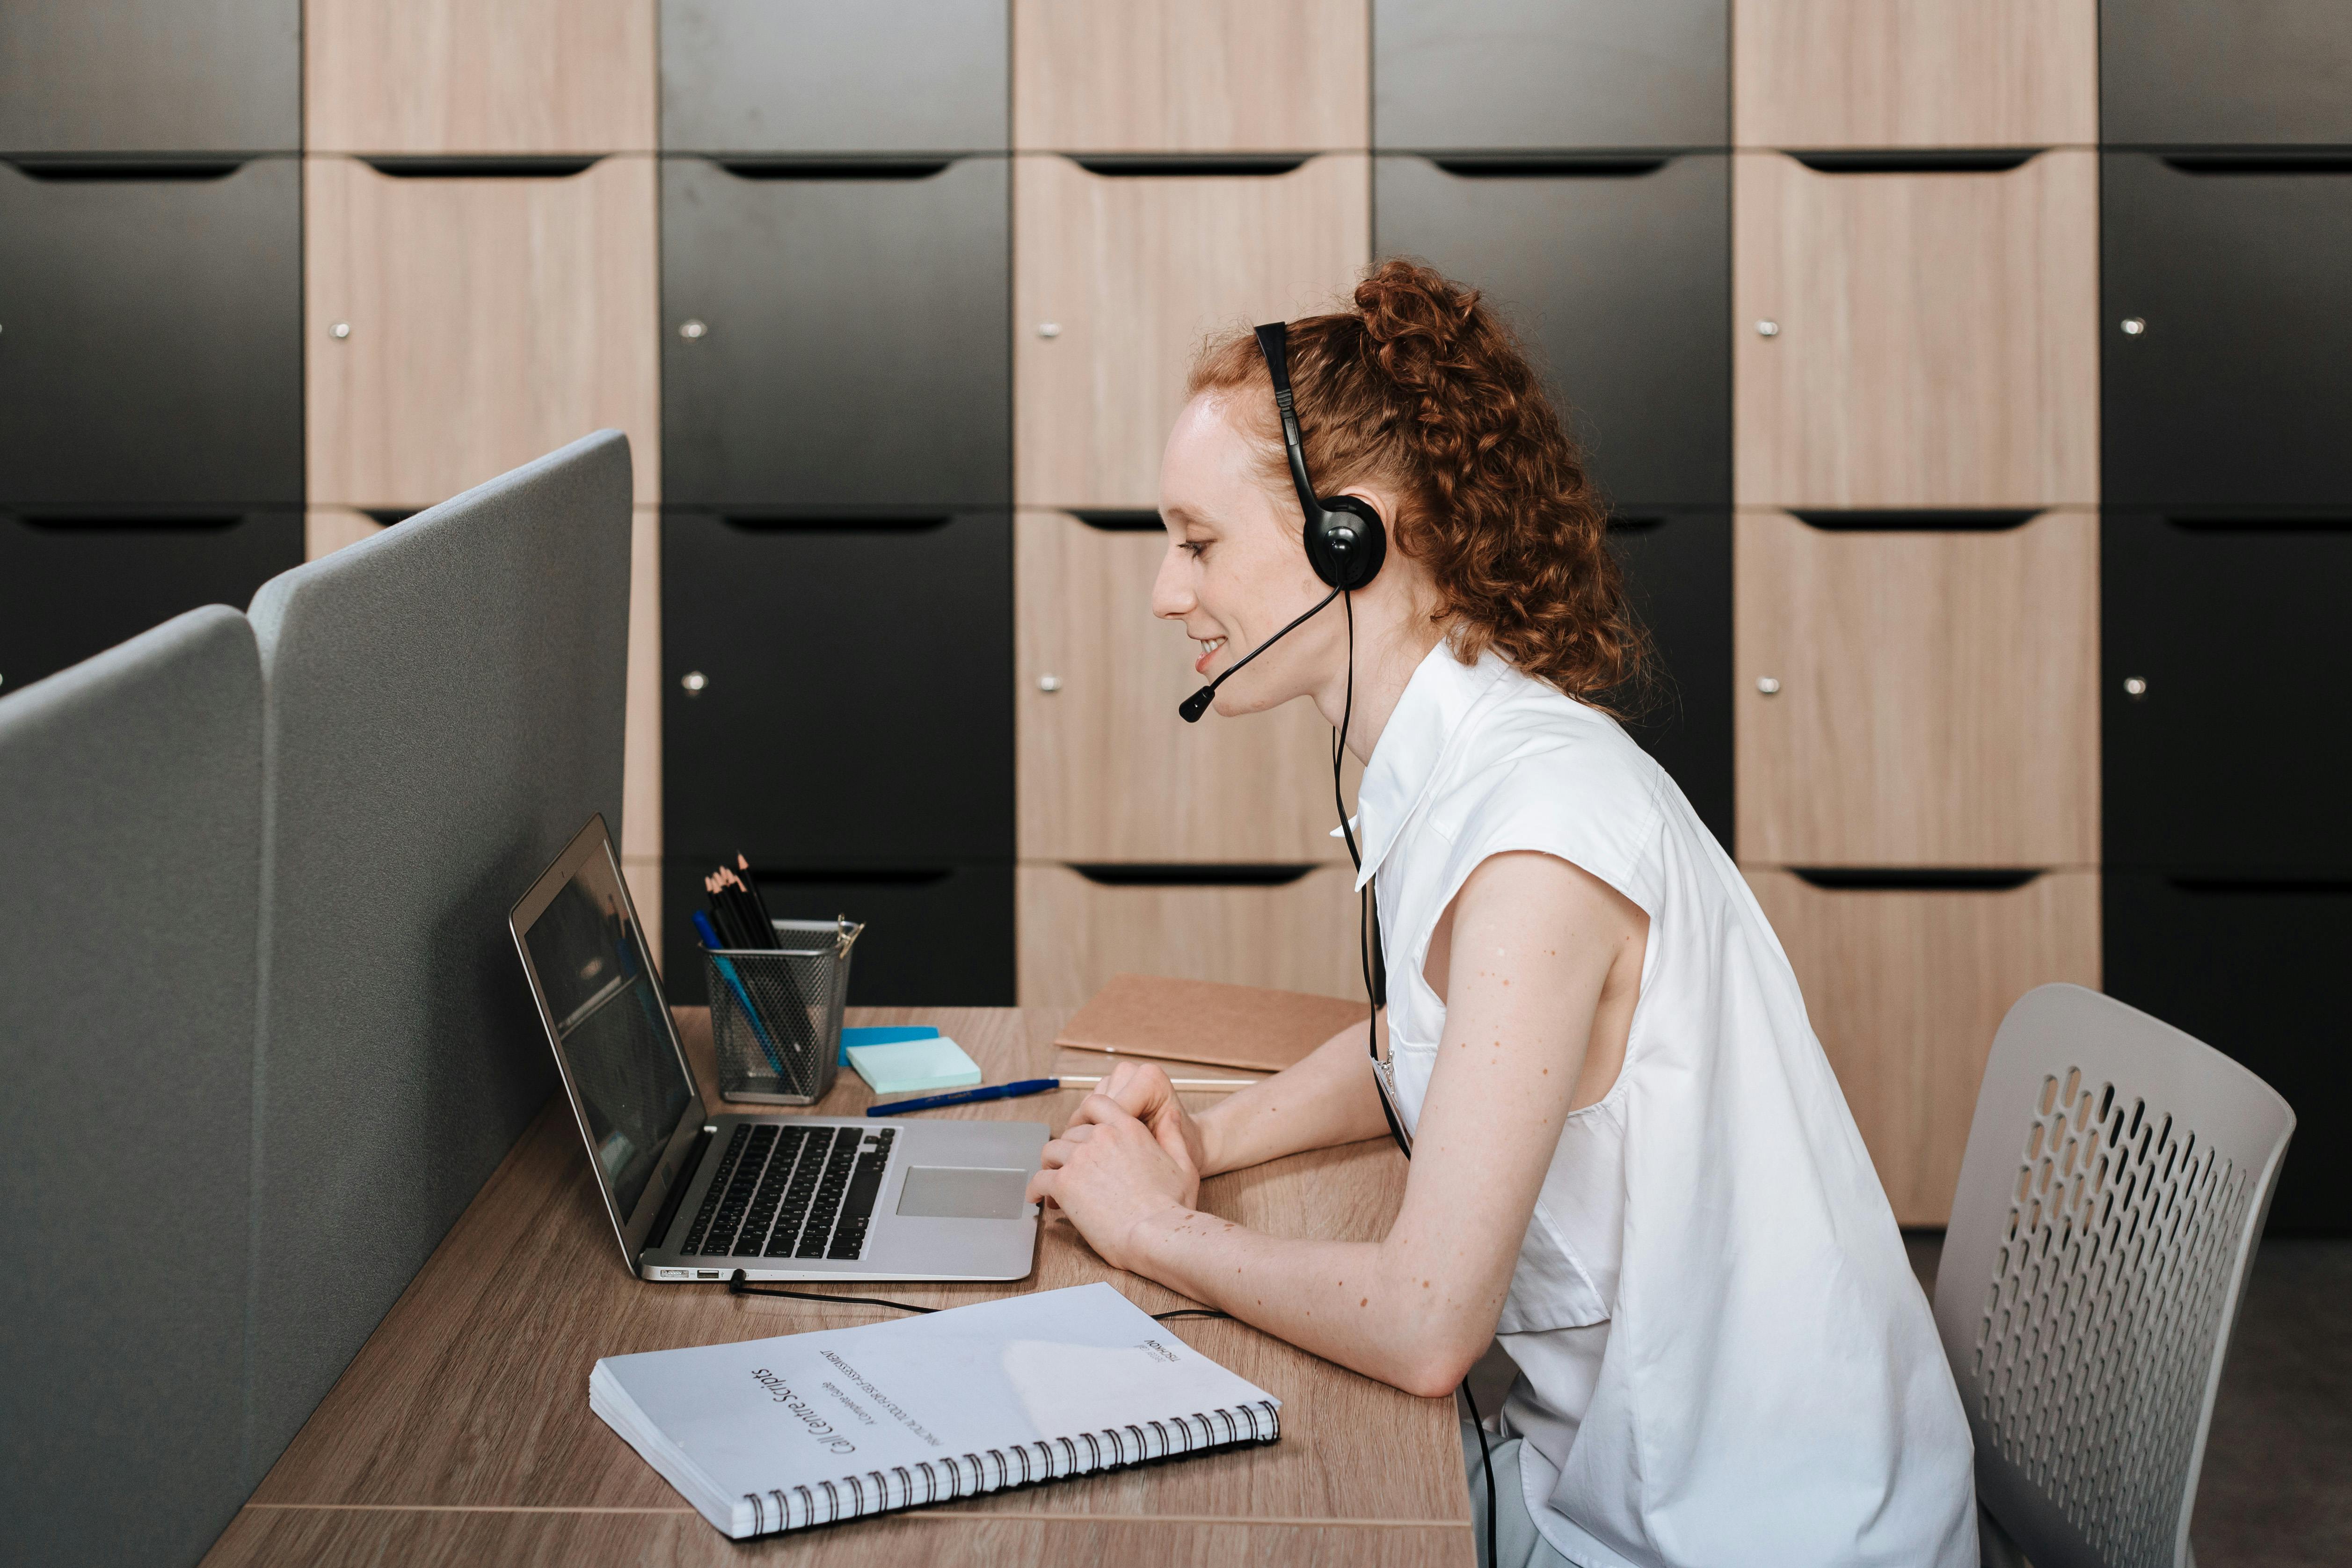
x,y
261,1025
443,710
130,889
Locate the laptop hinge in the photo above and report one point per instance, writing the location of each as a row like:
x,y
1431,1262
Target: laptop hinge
x,y
686,1169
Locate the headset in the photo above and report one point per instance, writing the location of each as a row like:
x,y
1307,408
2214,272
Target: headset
x,y
1346,543
1346,540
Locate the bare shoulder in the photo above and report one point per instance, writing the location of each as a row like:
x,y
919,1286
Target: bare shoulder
x,y
1530,889
1543,908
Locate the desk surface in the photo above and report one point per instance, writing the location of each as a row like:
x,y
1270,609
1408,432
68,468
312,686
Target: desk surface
x,y
461,1432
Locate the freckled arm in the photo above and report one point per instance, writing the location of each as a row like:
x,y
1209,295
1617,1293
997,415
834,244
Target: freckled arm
x,y
1534,939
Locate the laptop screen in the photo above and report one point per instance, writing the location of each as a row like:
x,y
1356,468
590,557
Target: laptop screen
x,y
605,1006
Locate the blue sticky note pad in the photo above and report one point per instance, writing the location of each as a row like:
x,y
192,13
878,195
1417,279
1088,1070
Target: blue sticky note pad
x,y
883,1035
914,1067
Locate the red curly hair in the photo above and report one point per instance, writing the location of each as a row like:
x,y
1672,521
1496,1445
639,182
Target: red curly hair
x,y
1422,390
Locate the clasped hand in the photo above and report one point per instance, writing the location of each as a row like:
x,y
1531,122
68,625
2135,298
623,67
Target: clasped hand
x,y
1129,1155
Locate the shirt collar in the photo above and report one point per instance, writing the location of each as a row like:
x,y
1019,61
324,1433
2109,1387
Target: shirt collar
x,y
1419,734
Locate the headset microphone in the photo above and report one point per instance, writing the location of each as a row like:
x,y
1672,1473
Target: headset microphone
x,y
1193,707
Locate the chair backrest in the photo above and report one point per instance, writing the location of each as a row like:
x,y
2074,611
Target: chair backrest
x,y
2116,1178
444,708
129,893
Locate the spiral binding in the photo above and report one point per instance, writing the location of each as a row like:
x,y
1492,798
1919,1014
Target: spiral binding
x,y
951,1476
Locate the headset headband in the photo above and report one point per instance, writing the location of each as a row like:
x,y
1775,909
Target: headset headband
x,y
1273,342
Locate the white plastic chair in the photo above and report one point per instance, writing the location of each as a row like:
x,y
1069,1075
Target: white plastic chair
x,y
2116,1178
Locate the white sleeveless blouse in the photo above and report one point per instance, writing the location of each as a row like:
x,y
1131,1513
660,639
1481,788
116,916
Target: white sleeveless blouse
x,y
1724,1357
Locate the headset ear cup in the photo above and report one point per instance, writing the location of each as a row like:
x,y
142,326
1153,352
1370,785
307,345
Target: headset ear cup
x,y
1347,542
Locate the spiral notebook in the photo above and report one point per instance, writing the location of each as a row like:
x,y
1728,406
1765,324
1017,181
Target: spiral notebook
x,y
772,1435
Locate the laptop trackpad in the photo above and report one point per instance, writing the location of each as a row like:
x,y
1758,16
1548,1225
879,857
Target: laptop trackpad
x,y
954,1192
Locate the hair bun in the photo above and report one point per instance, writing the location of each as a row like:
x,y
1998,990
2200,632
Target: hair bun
x,y
1415,319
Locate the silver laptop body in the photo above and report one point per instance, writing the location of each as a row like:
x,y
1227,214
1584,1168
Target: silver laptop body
x,y
694,1196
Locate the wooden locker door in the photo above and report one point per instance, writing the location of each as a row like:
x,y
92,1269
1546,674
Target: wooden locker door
x,y
1118,277
1107,769
1905,988
460,76
1924,73
327,529
1191,76
1915,339
1295,936
1935,693
490,322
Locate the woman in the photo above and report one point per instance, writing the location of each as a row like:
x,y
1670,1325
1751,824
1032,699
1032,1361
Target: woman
x,y
1631,1164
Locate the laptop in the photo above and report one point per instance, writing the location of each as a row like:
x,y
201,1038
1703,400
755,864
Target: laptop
x,y
697,1195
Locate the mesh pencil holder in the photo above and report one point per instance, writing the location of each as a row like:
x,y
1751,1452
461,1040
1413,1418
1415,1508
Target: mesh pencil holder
x,y
775,1016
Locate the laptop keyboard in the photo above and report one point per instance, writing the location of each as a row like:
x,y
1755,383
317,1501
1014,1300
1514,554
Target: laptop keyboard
x,y
784,1191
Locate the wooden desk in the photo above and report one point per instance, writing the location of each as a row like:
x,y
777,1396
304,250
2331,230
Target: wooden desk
x,y
461,1432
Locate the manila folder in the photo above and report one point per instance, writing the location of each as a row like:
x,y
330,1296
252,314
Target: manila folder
x,y
1201,1021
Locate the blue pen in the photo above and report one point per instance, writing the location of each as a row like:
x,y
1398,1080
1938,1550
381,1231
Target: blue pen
x,y
709,935
969,1095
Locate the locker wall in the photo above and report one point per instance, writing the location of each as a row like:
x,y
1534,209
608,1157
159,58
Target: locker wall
x,y
1108,772
1119,271
1905,981
1521,75
1915,319
152,76
838,693
2227,225
2249,965
2253,72
463,318
812,76
891,277
2222,753
1915,337
1614,271
835,672
2209,402
152,350
1288,927
937,935
460,77
72,586
1190,75
1678,572
1922,73
1919,696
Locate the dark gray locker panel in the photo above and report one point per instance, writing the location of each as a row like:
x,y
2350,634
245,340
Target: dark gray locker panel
x,y
938,936
72,586
1507,74
2254,970
1678,573
2199,72
837,696
837,342
150,76
817,76
151,335
2232,392
2232,758
1617,275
